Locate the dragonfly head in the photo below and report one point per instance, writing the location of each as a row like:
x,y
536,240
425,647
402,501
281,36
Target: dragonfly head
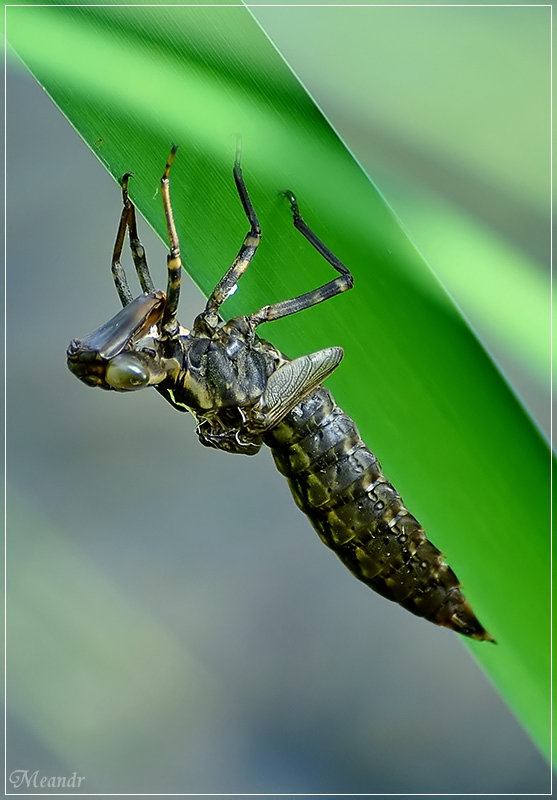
x,y
122,354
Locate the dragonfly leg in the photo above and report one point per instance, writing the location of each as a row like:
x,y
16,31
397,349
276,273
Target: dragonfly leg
x,y
138,254
173,261
118,273
334,287
227,283
128,220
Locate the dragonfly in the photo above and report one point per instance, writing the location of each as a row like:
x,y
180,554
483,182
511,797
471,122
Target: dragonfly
x,y
245,393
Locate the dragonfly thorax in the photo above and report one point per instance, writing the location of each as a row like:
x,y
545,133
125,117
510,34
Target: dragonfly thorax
x,y
222,379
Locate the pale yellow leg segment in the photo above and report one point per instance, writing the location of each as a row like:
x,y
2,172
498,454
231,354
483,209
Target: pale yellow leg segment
x,y
174,261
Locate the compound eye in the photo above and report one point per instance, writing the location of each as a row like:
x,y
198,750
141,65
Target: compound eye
x,y
126,372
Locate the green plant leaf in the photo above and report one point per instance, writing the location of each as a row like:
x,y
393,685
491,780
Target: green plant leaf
x,y
450,433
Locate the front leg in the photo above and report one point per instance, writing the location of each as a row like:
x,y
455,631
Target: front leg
x,y
118,274
128,221
138,254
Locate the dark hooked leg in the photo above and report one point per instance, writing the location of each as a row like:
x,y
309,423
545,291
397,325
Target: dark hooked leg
x,y
226,285
334,287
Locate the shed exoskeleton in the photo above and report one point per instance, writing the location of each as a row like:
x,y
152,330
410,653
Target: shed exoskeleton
x,y
245,393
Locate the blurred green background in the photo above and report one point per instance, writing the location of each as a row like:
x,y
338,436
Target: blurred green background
x,y
148,660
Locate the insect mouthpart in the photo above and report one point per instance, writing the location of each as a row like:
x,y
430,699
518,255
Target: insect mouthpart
x,y
110,357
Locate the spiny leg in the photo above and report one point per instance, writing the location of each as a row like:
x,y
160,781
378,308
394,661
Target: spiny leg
x,y
334,287
226,285
118,273
173,261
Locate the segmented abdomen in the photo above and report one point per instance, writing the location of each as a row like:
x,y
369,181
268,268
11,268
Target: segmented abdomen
x,y
337,481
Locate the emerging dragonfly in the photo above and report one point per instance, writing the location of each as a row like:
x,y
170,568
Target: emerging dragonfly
x,y
244,393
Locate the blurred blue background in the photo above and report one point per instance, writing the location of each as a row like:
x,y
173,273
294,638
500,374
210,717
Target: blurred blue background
x,y
150,659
